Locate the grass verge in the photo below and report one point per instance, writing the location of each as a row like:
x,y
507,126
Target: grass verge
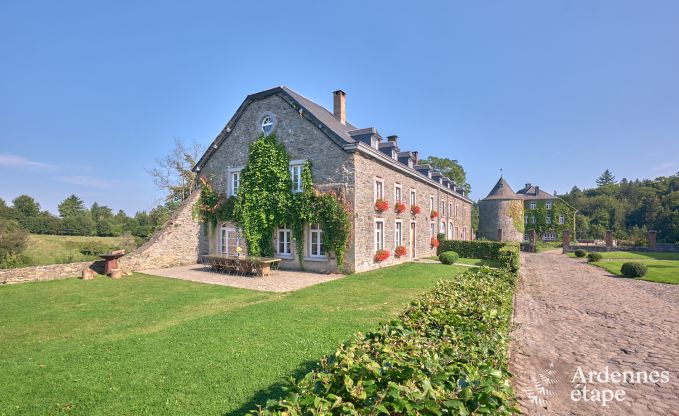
x,y
152,345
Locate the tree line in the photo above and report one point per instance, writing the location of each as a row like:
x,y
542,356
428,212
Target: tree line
x,y
76,219
628,207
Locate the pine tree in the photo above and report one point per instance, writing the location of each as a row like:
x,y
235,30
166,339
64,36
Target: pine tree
x,y
606,178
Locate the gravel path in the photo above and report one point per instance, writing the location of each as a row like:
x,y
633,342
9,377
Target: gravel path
x,y
571,315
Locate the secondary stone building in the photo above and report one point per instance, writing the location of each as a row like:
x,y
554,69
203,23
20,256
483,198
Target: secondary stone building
x,y
505,215
354,161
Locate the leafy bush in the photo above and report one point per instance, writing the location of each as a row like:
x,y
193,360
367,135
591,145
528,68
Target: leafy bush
x,y
580,253
12,242
447,353
509,257
441,236
448,257
633,269
594,257
93,248
472,249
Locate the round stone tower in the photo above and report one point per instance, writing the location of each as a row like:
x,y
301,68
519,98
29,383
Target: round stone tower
x,y
501,214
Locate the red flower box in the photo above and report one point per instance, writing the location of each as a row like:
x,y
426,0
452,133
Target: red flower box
x,y
434,242
381,255
400,251
434,214
399,207
415,210
381,205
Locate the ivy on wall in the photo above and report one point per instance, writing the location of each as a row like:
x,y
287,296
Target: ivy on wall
x,y
265,200
541,213
515,211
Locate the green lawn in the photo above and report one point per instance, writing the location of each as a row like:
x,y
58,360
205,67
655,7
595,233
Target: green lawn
x,y
152,345
53,249
662,267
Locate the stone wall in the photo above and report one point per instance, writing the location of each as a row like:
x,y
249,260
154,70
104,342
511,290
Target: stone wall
x,y
176,244
495,214
660,248
49,272
367,171
332,167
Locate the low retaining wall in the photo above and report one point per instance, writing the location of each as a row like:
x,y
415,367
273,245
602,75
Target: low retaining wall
x,y
49,272
176,244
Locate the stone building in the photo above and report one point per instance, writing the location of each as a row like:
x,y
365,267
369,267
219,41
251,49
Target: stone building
x,y
354,161
505,215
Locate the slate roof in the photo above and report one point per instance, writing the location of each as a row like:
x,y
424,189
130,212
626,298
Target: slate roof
x,y
502,190
534,192
325,120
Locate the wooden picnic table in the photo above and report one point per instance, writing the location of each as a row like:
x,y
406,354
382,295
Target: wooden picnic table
x,y
259,266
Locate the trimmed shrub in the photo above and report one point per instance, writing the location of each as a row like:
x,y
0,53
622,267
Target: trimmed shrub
x,y
447,353
580,253
473,249
633,269
594,257
509,257
93,248
448,257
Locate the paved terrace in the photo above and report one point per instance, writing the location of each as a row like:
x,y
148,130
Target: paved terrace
x,y
278,281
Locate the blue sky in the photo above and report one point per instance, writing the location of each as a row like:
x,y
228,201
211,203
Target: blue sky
x,y
553,92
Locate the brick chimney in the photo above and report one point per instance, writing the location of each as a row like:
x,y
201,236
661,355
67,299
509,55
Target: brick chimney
x,y
417,158
392,139
340,106
537,190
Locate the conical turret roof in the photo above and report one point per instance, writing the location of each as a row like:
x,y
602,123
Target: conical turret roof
x,y
502,190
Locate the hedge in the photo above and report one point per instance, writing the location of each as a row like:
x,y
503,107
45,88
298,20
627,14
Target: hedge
x,y
447,353
510,257
472,249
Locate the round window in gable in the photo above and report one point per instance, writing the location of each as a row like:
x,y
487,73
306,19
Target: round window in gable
x,y
268,124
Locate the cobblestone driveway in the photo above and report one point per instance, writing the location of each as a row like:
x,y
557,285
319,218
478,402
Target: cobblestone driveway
x,y
569,314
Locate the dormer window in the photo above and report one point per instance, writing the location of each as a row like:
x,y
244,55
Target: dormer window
x,y
374,143
410,163
394,154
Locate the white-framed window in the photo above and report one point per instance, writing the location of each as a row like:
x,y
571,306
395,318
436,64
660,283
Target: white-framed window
x,y
464,233
296,167
394,154
410,163
284,241
562,219
228,239
443,208
398,233
533,205
525,219
442,227
379,188
456,207
374,143
450,209
532,220
451,231
397,193
548,220
525,237
268,124
431,203
316,248
548,205
550,236
432,229
232,181
379,235
413,197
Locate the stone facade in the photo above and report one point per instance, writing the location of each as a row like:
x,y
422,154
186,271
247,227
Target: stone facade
x,y
369,170
350,170
497,214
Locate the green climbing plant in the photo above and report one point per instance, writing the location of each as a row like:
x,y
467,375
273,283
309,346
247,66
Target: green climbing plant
x,y
265,200
265,194
548,219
